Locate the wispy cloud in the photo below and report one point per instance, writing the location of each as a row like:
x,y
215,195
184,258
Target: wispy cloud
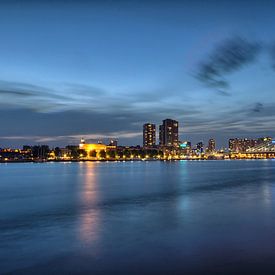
x,y
257,107
230,56
47,99
79,97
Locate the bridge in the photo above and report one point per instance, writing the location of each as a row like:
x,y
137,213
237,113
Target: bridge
x,y
265,147
263,150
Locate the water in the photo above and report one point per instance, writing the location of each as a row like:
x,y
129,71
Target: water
x,y
138,217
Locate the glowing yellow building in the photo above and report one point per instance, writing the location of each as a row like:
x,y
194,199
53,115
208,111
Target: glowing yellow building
x,y
92,147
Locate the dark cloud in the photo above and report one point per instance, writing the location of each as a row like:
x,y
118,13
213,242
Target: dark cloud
x,y
265,111
46,99
15,93
20,86
19,91
257,107
228,57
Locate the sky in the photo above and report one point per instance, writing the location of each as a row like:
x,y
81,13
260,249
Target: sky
x,y
101,69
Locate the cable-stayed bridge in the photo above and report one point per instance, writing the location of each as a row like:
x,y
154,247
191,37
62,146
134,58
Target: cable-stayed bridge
x,y
265,150
265,147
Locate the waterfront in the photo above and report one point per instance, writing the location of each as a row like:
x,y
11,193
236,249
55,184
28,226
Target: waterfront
x,y
137,217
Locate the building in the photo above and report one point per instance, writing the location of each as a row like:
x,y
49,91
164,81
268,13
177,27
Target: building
x,y
92,149
113,142
169,133
199,147
65,153
149,135
232,144
185,147
238,145
161,138
211,145
185,144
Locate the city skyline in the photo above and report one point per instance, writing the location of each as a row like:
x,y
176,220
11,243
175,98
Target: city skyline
x,y
137,137
169,148
168,136
152,135
100,69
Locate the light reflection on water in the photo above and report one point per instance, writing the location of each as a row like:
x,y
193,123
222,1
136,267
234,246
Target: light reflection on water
x,y
90,219
126,217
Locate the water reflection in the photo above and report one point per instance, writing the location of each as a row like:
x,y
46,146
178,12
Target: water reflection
x,y
99,218
267,194
183,202
90,215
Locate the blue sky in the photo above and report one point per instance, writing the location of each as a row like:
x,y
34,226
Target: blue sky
x,y
101,69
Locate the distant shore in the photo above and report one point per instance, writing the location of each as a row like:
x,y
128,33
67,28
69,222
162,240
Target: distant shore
x,y
124,160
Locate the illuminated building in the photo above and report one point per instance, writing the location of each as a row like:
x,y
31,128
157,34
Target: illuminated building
x,y
185,144
92,148
211,145
149,135
65,152
169,133
232,144
113,142
185,147
239,145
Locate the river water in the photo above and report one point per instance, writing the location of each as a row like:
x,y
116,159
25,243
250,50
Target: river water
x,y
154,217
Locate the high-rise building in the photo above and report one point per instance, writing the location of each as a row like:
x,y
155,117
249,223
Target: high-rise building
x,y
149,135
211,145
232,144
169,133
161,135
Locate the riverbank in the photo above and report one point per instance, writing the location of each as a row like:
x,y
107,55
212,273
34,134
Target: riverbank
x,y
125,160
